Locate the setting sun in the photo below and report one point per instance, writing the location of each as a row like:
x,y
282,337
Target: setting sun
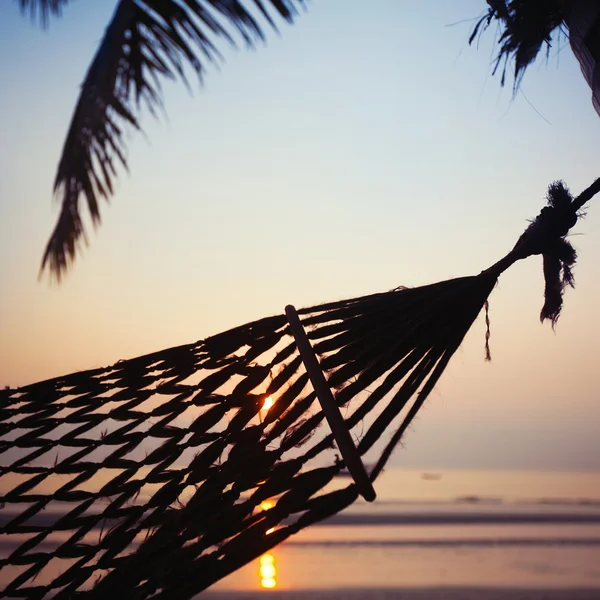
x,y
268,403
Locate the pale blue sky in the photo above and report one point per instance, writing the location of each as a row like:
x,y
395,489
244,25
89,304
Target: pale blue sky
x,y
364,148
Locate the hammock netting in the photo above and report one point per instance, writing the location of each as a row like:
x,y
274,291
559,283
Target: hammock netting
x,y
151,478
146,479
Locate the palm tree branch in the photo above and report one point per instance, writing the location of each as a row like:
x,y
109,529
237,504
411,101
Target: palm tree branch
x,y
145,41
525,26
42,9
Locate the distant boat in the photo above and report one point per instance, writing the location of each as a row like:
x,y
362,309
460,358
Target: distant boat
x,y
431,476
345,473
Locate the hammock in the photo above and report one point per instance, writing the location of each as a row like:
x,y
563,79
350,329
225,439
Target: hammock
x,y
160,475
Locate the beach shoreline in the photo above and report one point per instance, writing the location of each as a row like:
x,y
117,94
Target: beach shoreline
x,y
434,593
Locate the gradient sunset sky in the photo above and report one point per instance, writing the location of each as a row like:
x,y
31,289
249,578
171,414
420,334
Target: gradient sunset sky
x,y
366,147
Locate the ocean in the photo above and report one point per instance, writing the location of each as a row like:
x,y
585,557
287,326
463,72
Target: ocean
x,y
506,532
433,535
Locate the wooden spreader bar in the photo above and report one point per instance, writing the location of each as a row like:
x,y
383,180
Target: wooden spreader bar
x,y
330,408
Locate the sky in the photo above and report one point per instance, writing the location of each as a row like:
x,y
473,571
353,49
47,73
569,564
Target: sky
x,y
365,147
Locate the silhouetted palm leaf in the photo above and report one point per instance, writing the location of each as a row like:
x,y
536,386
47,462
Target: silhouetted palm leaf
x,y
144,42
42,9
525,27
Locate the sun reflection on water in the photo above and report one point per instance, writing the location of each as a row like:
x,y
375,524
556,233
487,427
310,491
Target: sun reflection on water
x,y
267,572
267,568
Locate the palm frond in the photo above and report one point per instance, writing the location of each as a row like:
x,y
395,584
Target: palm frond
x,y
525,26
146,41
42,9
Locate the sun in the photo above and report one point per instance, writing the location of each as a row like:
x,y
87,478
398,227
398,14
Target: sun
x,y
267,404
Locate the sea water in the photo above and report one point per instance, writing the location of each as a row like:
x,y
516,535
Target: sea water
x,y
429,529
463,528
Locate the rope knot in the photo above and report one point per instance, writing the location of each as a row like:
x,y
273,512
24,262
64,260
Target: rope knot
x,y
546,235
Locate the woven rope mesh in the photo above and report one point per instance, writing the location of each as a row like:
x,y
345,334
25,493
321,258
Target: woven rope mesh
x,y
145,479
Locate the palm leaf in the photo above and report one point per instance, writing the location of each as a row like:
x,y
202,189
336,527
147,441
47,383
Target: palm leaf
x,y
42,9
525,27
146,41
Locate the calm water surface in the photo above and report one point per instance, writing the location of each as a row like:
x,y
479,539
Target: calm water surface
x,y
447,528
